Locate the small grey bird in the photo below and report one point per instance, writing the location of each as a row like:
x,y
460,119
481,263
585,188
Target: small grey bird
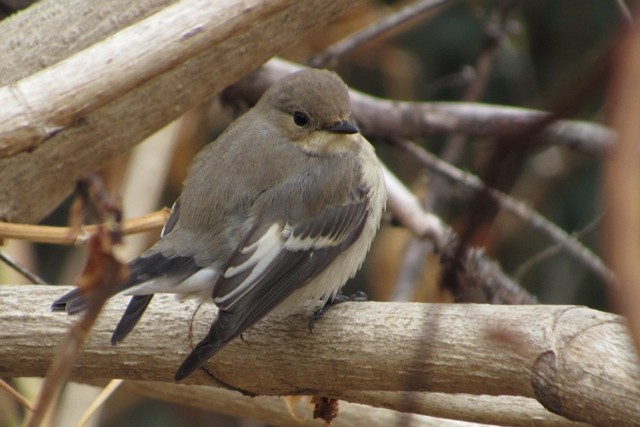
x,y
278,212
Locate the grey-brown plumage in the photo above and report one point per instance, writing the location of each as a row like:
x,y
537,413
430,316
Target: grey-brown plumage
x,y
277,213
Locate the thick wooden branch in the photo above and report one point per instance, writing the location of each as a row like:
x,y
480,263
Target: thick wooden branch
x,y
575,361
94,105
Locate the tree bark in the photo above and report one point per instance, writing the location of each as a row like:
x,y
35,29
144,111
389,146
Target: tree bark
x,y
74,128
575,361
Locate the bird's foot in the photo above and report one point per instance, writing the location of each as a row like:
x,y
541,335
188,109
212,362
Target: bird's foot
x,y
338,298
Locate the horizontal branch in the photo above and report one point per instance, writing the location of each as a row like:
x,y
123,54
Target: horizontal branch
x,y
403,119
575,361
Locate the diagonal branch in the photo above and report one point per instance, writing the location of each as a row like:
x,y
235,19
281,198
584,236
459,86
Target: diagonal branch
x,y
480,279
377,29
513,206
86,131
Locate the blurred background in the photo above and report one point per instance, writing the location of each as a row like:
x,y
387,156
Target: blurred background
x,y
537,51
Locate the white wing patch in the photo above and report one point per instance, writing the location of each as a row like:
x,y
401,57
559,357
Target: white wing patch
x,y
294,243
198,283
265,250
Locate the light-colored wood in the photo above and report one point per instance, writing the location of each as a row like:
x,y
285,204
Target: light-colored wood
x,y
273,411
50,30
57,98
502,410
66,236
90,107
578,361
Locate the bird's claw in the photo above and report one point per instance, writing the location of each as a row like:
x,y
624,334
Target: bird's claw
x,y
339,298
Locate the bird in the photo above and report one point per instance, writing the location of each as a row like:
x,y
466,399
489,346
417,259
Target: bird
x,y
275,215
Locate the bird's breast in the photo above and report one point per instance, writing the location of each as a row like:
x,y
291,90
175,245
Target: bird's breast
x,y
323,142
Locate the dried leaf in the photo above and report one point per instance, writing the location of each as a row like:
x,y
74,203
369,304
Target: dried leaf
x,y
325,408
100,260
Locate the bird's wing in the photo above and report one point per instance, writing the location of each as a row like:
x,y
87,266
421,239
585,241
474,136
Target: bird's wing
x,y
279,257
276,258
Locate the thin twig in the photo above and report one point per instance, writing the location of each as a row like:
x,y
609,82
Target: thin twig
x,y
33,278
515,207
552,250
481,278
99,401
495,33
416,249
16,394
375,30
624,11
64,235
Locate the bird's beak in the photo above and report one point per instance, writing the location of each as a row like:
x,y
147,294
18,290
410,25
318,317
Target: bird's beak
x,y
344,126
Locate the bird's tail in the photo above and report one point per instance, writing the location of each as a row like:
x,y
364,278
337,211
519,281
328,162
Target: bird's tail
x,y
142,269
71,302
137,305
224,329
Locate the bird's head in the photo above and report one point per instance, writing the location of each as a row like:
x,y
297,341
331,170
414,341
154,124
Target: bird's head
x,y
312,108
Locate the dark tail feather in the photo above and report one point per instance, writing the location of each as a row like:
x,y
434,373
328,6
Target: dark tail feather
x,y
215,340
71,302
137,305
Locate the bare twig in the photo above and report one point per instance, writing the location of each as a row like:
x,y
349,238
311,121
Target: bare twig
x,y
415,249
272,410
496,30
64,236
22,269
481,279
515,207
15,394
624,11
378,29
495,33
552,250
102,274
99,401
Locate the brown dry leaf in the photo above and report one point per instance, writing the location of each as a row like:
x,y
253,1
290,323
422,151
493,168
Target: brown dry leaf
x,y
325,408
101,275
99,262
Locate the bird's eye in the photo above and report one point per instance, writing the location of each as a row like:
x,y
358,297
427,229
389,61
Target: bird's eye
x,y
300,119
